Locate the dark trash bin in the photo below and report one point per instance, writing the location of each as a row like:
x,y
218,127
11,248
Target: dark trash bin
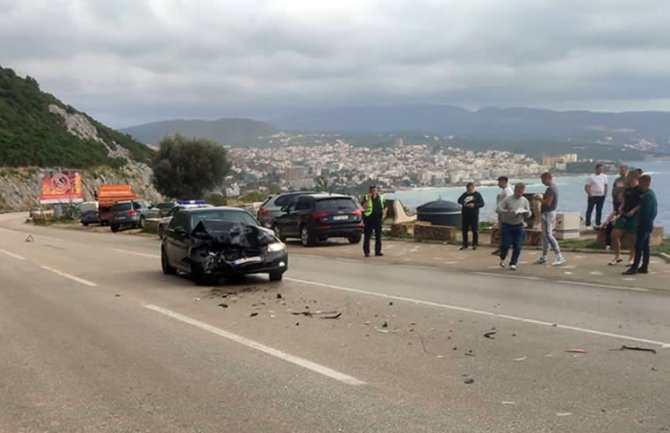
x,y
440,212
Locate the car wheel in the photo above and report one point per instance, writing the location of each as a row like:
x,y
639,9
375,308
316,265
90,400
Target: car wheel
x,y
199,276
276,276
354,239
306,237
165,264
278,233
84,223
140,225
114,227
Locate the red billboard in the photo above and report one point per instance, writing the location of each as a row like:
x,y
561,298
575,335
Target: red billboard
x,y
61,187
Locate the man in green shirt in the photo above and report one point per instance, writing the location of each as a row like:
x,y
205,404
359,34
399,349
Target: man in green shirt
x,y
646,214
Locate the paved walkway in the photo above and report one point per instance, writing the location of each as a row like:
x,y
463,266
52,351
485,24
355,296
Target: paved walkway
x,y
580,268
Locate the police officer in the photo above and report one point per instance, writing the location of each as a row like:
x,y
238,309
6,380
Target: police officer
x,y
373,215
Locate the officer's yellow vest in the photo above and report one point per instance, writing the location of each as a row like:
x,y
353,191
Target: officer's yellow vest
x,y
368,208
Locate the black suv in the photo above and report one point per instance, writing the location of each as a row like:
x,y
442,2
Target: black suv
x,y
317,217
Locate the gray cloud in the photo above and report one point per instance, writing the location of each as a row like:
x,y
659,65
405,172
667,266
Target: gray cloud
x,y
130,61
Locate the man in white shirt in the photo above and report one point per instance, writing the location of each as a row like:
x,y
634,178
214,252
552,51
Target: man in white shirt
x,y
596,190
505,191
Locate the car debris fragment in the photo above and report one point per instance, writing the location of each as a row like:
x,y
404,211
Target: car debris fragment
x,y
637,348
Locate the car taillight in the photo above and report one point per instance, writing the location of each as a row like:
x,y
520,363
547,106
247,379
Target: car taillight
x,y
319,215
357,212
263,212
132,213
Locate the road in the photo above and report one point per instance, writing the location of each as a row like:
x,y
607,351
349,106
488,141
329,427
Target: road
x,y
95,338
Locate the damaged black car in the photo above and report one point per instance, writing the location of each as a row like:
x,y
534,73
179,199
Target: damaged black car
x,y
211,243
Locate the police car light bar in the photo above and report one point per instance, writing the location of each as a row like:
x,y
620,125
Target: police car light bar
x,y
191,202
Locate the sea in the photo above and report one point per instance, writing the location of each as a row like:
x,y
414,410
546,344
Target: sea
x,y
572,197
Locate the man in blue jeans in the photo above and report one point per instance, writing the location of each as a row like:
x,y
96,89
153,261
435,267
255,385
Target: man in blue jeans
x,y
512,213
646,214
549,204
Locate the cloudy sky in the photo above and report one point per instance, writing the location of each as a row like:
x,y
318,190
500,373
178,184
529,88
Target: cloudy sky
x,y
130,61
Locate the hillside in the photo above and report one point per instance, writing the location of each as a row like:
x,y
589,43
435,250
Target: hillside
x,y
37,129
231,132
516,129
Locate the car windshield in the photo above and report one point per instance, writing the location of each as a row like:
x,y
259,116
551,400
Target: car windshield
x,y
120,207
335,204
228,215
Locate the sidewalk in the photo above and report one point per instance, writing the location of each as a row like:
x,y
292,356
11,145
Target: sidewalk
x,y
582,268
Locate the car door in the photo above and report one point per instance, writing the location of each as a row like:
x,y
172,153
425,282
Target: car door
x,y
303,210
177,238
286,221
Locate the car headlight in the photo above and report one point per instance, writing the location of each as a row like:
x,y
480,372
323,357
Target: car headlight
x,y
276,247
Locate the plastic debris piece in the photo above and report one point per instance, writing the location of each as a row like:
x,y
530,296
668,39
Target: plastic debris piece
x,y
30,238
490,335
639,349
335,316
279,296
509,403
223,305
469,381
254,314
117,295
523,358
386,330
564,414
576,351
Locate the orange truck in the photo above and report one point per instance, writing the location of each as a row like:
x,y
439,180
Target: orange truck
x,y
108,195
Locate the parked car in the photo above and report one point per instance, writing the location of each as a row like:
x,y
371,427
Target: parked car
x,y
318,217
165,221
272,207
162,209
221,242
88,213
128,214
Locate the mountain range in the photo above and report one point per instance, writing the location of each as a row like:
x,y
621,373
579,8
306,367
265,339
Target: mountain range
x,y
535,131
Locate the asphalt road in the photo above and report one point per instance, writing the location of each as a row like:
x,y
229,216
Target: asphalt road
x,y
95,338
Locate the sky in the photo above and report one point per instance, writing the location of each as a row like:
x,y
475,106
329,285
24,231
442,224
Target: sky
x,y
127,62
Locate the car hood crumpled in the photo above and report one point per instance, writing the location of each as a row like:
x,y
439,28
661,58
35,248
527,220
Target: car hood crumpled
x,y
232,234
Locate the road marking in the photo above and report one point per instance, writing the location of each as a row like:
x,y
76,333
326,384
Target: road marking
x,y
72,277
151,256
16,256
483,313
577,283
318,368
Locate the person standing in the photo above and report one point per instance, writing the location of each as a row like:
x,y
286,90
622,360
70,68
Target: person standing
x,y
618,187
373,214
627,220
548,205
512,212
505,191
596,190
645,225
471,201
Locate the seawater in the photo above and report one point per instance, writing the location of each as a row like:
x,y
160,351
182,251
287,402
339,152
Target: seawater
x,y
572,197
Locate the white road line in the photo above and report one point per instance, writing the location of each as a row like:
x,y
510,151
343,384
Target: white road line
x,y
577,283
484,313
16,256
151,256
318,368
72,277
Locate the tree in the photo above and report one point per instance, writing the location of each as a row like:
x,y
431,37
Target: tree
x,y
189,167
321,184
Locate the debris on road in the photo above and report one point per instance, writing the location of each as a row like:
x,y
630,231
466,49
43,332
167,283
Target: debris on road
x,y
196,298
391,304
223,305
639,349
30,238
279,296
469,381
117,295
582,351
564,414
335,316
509,403
523,358
490,335
254,314
470,353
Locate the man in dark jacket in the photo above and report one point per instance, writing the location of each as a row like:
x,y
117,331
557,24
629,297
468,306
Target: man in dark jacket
x,y
471,201
645,225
